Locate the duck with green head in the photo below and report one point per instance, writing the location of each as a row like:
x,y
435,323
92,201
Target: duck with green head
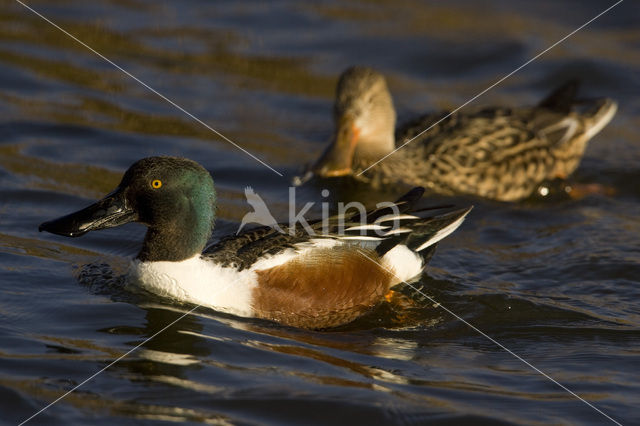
x,y
288,275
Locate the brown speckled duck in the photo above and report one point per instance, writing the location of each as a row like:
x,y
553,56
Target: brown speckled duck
x,y
498,153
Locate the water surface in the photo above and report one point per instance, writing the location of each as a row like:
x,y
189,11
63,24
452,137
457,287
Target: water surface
x,y
554,280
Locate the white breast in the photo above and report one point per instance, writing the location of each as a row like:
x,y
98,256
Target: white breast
x,y
197,281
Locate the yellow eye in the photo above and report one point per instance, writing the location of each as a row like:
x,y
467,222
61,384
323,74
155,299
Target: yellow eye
x,y
156,183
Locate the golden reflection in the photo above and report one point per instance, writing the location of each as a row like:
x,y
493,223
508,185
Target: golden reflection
x,y
279,74
167,357
187,384
44,249
48,390
80,179
81,344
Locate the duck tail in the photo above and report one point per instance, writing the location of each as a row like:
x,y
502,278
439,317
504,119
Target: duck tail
x,y
594,114
563,98
598,114
399,223
421,234
428,231
410,249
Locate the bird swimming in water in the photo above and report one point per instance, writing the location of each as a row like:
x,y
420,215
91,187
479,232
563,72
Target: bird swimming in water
x,y
499,153
318,279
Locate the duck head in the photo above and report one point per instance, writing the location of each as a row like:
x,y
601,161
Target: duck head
x,y
365,121
174,197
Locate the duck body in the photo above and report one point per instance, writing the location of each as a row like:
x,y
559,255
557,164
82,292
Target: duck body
x,y
317,279
498,153
326,284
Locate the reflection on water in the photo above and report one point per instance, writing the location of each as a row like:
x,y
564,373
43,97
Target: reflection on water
x,y
554,279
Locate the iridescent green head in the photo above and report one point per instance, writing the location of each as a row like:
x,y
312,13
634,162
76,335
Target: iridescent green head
x,y
174,197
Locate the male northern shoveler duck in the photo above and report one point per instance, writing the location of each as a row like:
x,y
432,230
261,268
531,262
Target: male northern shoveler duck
x,y
498,153
293,277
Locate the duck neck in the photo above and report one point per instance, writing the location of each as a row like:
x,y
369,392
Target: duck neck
x,y
373,148
182,236
169,246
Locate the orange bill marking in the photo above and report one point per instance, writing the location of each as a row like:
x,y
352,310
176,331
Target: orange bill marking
x,y
390,296
337,173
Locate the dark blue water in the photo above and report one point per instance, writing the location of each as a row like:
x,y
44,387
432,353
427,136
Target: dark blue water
x,y
554,280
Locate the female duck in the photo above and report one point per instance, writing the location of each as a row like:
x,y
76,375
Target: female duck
x,y
498,153
312,281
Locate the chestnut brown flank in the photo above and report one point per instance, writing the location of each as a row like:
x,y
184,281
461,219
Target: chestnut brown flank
x,y
323,288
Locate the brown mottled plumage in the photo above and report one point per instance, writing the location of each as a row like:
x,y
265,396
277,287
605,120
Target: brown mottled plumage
x,y
497,153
